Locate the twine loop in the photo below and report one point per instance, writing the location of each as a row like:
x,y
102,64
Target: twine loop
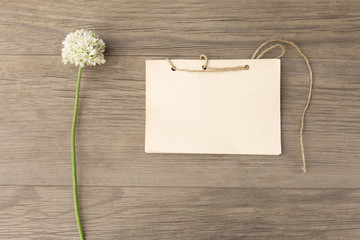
x,y
204,57
310,83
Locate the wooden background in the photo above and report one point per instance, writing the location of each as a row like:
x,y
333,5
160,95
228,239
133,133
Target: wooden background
x,y
127,194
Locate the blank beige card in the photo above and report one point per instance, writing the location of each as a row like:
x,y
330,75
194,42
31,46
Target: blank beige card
x,y
235,112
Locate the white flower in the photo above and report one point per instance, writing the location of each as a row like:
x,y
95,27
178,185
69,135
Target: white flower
x,y
83,47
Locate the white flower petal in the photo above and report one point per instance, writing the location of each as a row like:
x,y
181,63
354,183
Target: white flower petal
x,y
83,47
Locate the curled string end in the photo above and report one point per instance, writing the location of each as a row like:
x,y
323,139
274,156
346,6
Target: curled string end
x,y
304,168
302,153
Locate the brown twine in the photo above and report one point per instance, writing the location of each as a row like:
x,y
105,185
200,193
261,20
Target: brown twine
x,y
206,68
310,84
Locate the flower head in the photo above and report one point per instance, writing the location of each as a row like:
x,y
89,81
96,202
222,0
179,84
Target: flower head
x,y
83,47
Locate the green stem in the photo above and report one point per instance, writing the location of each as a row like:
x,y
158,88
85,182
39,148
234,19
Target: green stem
x,y
73,157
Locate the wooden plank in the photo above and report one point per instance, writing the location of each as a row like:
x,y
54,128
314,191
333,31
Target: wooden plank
x,y
328,29
127,194
35,212
37,95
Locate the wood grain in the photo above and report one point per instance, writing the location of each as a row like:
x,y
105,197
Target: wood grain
x,y
127,194
42,212
183,28
110,142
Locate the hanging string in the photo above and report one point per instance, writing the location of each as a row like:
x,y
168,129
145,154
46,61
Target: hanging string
x,y
206,68
310,83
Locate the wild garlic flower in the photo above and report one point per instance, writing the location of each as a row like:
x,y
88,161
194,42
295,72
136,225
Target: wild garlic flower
x,y
83,47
